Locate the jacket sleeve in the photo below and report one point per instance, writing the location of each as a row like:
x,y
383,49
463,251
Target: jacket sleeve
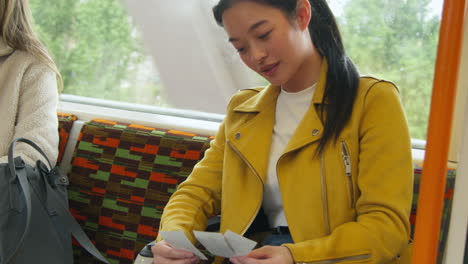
x,y
36,117
198,197
381,229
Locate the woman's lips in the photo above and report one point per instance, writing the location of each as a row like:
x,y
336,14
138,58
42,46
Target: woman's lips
x,y
270,69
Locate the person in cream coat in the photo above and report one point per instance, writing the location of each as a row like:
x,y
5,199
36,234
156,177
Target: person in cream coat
x,y
28,86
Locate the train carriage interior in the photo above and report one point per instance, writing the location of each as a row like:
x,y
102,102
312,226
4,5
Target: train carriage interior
x,y
137,115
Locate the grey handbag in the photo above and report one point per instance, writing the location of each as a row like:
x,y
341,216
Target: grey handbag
x,y
35,224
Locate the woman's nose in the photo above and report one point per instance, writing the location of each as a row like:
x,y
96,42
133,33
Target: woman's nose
x,y
258,54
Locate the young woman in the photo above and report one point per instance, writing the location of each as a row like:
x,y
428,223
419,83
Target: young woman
x,y
324,154
28,86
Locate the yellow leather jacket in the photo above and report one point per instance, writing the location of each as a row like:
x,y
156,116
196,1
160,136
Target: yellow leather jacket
x,y
349,205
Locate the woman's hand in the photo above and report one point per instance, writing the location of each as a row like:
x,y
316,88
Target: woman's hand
x,y
266,255
164,253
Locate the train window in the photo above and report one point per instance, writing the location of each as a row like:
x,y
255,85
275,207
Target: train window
x,y
98,50
397,41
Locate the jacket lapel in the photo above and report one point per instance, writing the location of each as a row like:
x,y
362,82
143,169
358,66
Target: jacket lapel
x,y
251,133
252,136
310,128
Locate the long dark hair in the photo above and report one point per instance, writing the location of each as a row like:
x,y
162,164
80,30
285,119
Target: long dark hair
x,y
342,76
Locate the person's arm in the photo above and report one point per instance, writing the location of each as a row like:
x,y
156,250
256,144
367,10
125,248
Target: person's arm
x,y
36,117
198,198
381,230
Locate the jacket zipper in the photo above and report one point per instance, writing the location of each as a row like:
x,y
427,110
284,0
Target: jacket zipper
x,y
348,171
326,213
337,260
258,177
323,181
324,204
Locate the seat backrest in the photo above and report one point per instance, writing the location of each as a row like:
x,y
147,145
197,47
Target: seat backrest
x,y
121,178
447,207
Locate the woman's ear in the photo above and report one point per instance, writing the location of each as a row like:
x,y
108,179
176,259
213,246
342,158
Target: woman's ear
x,y
303,14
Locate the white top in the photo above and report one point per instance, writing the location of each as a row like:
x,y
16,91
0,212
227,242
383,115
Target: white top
x,y
28,101
290,109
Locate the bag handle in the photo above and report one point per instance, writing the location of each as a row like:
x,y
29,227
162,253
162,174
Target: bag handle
x,y
29,142
21,174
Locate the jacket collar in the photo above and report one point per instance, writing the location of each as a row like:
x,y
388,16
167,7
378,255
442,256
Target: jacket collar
x,y
254,136
4,48
267,97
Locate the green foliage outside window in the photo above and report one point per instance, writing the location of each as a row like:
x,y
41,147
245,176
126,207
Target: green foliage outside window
x,y
395,40
97,50
100,54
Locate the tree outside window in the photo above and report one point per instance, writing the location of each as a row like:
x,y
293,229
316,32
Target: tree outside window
x,y
98,50
100,53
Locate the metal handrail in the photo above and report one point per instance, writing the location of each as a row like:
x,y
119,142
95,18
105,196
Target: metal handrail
x,y
142,108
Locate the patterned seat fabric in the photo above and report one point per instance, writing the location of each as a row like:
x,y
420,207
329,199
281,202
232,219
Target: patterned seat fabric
x,y
121,178
447,207
123,175
65,125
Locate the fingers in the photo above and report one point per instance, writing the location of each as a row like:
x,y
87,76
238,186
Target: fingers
x,y
164,253
254,257
266,255
165,250
160,260
243,260
261,253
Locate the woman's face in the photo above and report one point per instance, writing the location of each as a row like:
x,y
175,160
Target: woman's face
x,y
267,41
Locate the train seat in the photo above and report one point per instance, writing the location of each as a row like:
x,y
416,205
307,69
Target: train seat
x,y
122,175
447,207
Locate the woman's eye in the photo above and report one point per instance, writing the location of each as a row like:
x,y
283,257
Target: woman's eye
x,y
264,36
240,50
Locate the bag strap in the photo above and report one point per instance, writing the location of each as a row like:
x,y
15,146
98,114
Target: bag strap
x,y
23,181
71,223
